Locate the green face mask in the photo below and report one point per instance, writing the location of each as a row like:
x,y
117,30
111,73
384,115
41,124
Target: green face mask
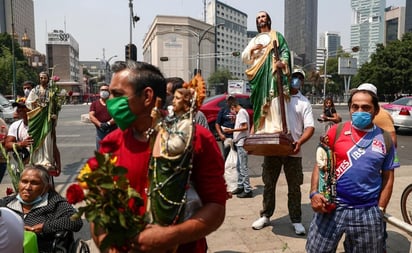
x,y
118,108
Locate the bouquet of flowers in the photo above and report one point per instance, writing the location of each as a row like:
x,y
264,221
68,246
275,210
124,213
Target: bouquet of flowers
x,y
110,203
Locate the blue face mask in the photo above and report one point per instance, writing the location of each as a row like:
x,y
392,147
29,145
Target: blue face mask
x,y
296,82
37,200
361,119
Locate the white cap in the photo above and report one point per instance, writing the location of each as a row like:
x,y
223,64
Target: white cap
x,y
299,71
368,86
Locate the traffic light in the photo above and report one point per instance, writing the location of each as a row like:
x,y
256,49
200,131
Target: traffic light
x,y
236,53
131,52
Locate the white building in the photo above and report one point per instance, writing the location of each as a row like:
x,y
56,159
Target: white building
x,y
172,44
230,37
394,23
367,28
330,41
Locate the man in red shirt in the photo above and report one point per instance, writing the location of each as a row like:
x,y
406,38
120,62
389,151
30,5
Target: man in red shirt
x,y
134,89
100,117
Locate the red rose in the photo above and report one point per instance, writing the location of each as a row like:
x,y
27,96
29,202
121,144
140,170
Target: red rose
x,y
55,78
9,191
134,205
93,163
74,194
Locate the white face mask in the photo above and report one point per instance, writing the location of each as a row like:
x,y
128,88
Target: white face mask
x,y
26,92
104,94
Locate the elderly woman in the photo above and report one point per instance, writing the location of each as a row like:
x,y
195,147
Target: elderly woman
x,y
43,210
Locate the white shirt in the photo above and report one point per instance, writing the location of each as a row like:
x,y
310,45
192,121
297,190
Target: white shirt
x,y
21,128
239,136
300,116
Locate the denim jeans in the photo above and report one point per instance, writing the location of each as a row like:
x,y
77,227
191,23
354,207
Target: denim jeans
x,y
242,169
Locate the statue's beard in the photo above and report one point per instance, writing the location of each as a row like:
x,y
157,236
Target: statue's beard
x,y
262,24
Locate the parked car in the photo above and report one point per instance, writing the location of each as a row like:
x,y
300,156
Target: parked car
x,y
212,105
400,110
6,110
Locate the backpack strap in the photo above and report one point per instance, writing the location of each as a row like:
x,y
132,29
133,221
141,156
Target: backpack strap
x,y
388,140
338,131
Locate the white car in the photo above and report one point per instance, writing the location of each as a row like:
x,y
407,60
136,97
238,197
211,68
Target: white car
x,y
6,110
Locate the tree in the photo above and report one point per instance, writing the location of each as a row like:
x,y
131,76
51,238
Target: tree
x,y
390,68
221,76
24,72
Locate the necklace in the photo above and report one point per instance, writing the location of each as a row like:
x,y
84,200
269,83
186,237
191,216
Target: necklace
x,y
364,140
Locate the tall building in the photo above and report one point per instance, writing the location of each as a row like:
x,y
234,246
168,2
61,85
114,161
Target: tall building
x,y
62,52
367,28
23,19
173,44
331,42
230,37
408,16
394,23
301,24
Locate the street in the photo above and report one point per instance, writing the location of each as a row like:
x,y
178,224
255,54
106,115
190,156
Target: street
x,y
76,141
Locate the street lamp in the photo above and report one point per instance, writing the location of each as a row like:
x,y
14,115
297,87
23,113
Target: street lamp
x,y
325,76
200,37
107,68
325,54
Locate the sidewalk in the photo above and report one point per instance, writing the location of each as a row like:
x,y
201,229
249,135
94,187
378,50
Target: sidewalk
x,y
236,235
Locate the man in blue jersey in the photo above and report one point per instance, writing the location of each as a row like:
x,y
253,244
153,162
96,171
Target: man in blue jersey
x,y
365,159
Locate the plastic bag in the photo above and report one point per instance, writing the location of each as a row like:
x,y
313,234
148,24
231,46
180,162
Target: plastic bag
x,y
231,174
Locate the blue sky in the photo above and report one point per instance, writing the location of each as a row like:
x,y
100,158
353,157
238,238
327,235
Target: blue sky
x,y
98,24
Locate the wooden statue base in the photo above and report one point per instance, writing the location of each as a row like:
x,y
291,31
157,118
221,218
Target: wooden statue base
x,y
266,144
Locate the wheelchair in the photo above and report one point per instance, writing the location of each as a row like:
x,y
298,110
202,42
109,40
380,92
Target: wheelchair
x,y
64,243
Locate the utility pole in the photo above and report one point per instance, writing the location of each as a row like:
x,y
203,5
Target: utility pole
x,y
13,49
131,50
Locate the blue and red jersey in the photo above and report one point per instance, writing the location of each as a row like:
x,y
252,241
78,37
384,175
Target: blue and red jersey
x,y
360,156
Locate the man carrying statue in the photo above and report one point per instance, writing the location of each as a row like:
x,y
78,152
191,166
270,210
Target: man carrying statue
x,y
278,112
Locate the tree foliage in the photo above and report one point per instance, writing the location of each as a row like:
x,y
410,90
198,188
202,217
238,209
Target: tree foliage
x,y
221,76
390,68
24,72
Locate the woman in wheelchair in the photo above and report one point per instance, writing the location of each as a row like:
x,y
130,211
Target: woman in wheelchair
x,y
42,209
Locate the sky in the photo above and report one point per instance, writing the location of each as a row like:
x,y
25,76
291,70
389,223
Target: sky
x,y
102,27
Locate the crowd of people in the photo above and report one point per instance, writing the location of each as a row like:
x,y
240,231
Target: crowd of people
x,y
127,118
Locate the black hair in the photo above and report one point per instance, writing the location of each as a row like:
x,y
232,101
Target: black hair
x,y
28,83
269,21
331,101
177,83
375,99
143,75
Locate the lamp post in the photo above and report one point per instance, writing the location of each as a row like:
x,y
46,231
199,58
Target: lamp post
x,y
107,68
326,54
325,76
200,36
13,50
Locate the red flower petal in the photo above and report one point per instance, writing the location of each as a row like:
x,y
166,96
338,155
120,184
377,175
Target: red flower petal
x,y
74,194
93,163
9,191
